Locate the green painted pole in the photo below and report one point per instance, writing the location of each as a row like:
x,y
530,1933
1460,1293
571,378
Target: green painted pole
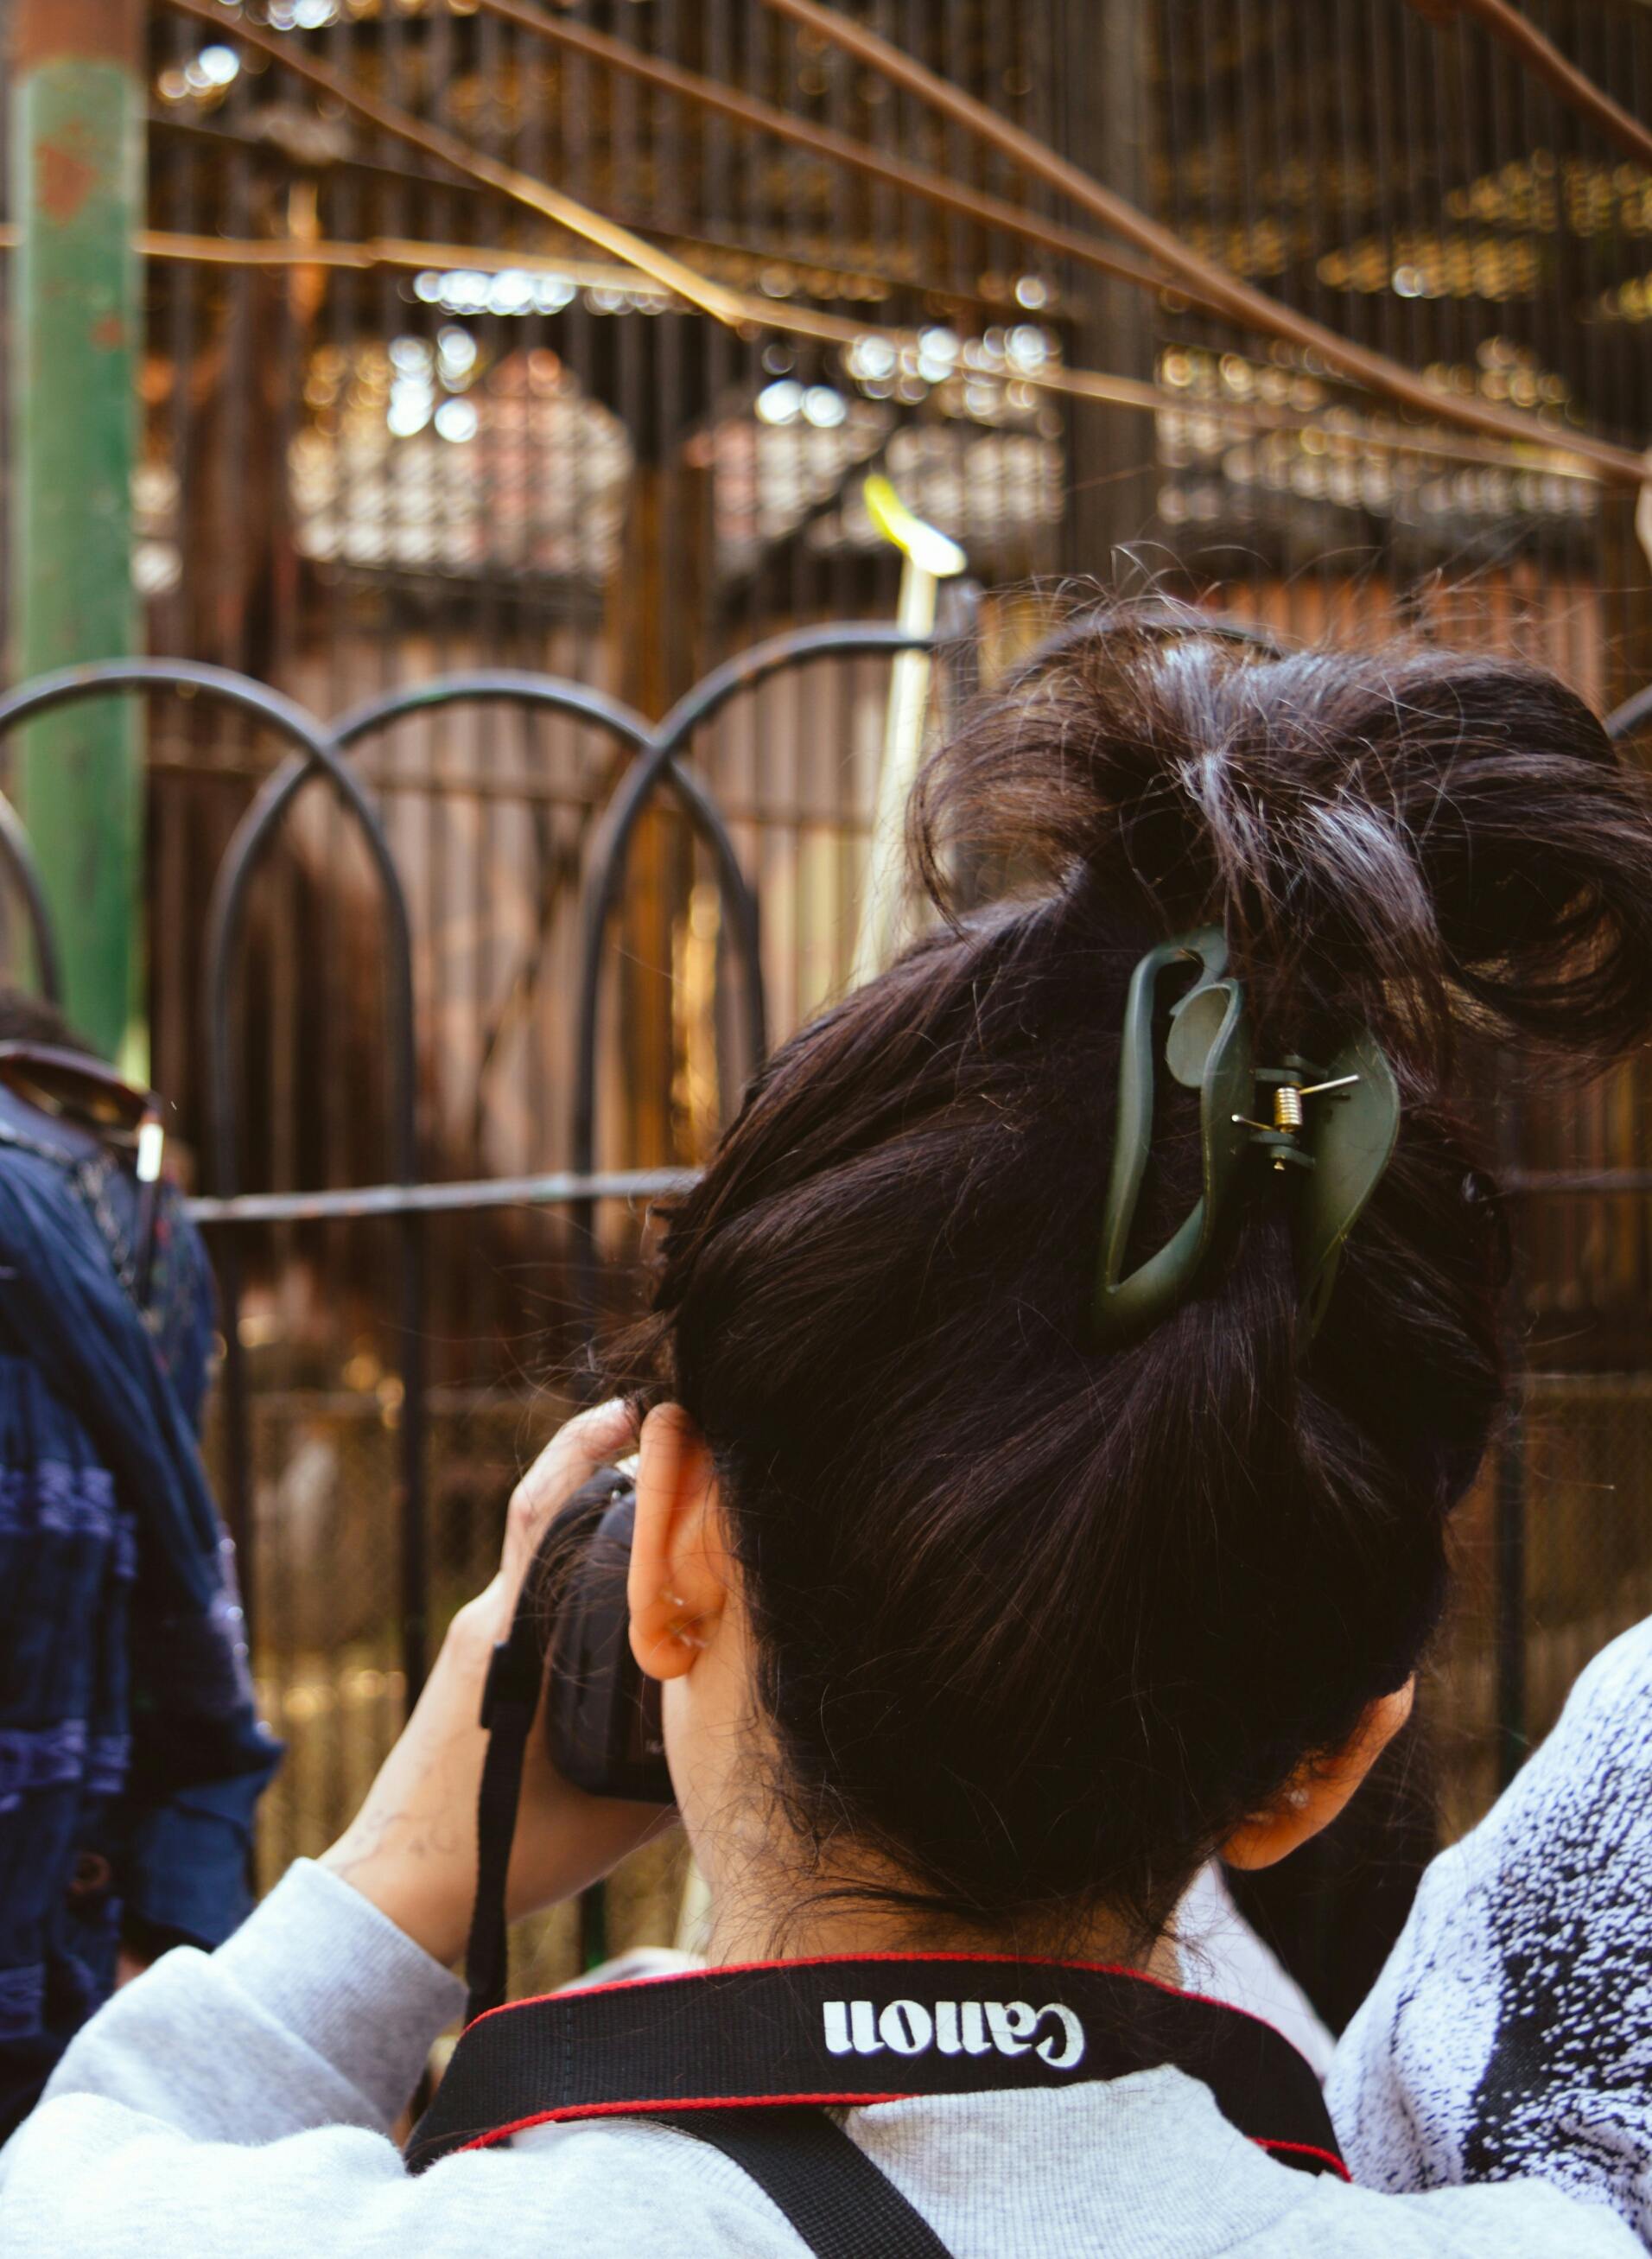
x,y
77,142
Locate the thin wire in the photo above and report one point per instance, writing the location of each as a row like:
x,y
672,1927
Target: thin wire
x,y
1544,59
1129,392
736,308
1559,458
760,117
1239,299
670,274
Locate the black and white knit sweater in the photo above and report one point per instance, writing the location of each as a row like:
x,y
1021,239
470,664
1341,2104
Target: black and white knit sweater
x,y
1510,2036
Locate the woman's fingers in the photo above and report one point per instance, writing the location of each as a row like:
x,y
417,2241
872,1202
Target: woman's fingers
x,y
412,1849
573,1455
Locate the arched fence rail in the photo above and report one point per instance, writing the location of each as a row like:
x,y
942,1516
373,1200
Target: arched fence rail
x,y
656,764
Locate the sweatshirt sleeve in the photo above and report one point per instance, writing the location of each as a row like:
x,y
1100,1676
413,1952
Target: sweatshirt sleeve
x,y
1510,2035
251,2089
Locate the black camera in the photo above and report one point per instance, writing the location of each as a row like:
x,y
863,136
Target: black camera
x,y
602,1713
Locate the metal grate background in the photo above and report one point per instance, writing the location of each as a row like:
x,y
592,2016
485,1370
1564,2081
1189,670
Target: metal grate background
x,y
396,426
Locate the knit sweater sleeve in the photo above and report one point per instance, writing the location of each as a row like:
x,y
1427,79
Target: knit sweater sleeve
x,y
297,2042
241,2103
1510,2035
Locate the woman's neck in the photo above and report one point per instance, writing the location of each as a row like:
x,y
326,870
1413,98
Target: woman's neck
x,y
847,1915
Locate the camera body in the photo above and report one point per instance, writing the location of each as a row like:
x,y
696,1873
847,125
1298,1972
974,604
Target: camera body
x,y
602,1713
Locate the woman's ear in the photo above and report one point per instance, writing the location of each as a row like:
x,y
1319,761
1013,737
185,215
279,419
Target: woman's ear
x,y
679,1571
1319,1788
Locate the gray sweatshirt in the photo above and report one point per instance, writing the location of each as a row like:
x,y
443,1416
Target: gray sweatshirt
x,y
240,2103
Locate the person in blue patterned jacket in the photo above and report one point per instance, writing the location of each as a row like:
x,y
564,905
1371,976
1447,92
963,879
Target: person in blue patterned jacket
x,y
132,1757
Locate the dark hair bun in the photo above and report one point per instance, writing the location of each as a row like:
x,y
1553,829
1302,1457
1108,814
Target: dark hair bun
x,y
1415,837
1038,1622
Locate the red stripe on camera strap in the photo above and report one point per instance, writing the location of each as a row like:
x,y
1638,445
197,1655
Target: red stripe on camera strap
x,y
762,2038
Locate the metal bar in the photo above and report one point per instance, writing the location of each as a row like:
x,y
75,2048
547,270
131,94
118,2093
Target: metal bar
x,y
226,916
1508,1504
362,255
16,851
415,1424
1239,300
551,1190
1544,60
758,117
226,920
1071,381
1576,1180
77,154
1631,717
1513,1740
744,672
386,779
391,251
1253,308
436,141
66,685
490,686
550,695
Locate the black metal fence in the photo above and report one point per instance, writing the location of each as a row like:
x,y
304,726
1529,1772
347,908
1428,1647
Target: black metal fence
x,y
1550,1577
318,749
340,1615
395,425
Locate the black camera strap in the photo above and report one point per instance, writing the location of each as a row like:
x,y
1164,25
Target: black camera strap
x,y
510,1697
750,2059
510,1702
839,2202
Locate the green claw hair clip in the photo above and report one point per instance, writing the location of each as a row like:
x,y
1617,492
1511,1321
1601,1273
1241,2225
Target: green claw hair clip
x,y
1333,1154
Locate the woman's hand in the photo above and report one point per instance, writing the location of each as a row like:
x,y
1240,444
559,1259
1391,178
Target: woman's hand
x,y
412,1848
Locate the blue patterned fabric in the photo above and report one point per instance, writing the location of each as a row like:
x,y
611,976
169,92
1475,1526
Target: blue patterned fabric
x,y
130,1756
